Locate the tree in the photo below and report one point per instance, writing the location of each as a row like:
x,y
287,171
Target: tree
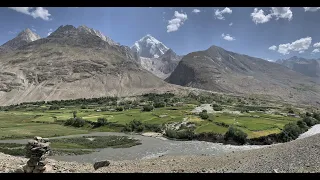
x,y
147,108
308,114
159,104
101,121
236,134
302,125
74,114
204,114
119,108
290,132
309,121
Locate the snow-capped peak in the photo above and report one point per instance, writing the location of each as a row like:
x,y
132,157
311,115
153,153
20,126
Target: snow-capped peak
x,y
149,47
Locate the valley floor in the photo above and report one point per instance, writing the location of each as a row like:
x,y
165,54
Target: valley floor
x,y
302,155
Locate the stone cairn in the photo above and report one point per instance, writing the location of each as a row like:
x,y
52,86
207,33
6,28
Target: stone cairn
x,y
37,150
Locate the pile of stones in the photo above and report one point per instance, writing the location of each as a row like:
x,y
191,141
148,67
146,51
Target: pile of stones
x,y
37,150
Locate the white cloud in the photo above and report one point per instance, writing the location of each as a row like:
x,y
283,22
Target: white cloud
x,y
282,12
299,45
315,51
311,9
12,32
316,45
230,24
175,23
259,17
228,37
270,60
50,31
273,48
300,52
38,12
219,14
196,11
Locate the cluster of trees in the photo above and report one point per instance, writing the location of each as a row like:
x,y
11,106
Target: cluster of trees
x,y
138,126
235,134
186,133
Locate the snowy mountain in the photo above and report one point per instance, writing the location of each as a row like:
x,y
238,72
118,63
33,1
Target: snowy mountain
x,y
22,39
149,47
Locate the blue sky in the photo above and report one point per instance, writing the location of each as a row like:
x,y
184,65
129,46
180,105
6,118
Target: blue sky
x,y
269,33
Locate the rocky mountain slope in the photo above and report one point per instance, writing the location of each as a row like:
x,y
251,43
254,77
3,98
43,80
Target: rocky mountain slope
x,y
22,39
73,63
308,67
162,66
219,70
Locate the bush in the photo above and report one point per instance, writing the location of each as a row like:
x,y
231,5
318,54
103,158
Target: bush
x,y
101,122
302,125
181,134
104,109
54,107
290,132
75,122
308,114
147,108
119,108
74,113
236,135
204,114
84,107
153,127
316,116
309,121
159,104
134,126
290,111
219,108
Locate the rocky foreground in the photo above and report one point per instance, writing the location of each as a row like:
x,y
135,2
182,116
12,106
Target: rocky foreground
x,y
301,155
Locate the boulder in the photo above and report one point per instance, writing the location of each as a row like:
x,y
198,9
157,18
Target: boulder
x,y
100,164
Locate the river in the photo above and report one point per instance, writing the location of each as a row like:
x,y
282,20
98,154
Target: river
x,y
151,147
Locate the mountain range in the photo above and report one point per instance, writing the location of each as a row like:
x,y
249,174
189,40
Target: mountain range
x,y
83,63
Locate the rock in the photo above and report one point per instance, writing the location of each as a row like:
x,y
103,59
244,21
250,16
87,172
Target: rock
x,y
32,162
100,164
19,170
45,140
275,171
42,163
28,169
37,138
180,171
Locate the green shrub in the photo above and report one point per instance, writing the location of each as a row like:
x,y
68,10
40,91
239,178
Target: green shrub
x,y
204,114
104,109
308,114
180,134
236,135
54,107
147,108
309,121
219,108
159,104
134,126
302,125
316,116
290,132
290,111
84,107
153,127
75,122
119,108
101,122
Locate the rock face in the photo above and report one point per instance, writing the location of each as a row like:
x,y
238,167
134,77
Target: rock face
x,y
308,67
22,39
162,66
149,47
220,70
73,63
37,150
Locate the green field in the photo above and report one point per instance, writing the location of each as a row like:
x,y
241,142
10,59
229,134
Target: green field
x,y
37,120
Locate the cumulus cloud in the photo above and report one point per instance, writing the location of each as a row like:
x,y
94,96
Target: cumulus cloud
x,y
49,32
315,51
273,48
196,11
299,45
228,37
311,9
219,14
282,12
177,21
316,45
230,24
38,12
259,16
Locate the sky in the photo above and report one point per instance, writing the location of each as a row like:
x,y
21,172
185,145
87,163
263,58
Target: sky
x,y
270,33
